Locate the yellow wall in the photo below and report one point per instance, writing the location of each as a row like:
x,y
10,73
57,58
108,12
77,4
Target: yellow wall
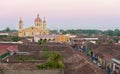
x,y
31,31
62,38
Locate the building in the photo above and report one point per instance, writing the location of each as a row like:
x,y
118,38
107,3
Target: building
x,y
7,50
107,56
45,37
4,33
92,40
62,38
116,66
75,62
38,28
52,38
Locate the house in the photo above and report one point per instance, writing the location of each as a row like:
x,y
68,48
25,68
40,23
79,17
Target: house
x,y
7,50
52,38
3,51
104,55
75,62
92,40
43,37
4,33
62,38
116,66
77,41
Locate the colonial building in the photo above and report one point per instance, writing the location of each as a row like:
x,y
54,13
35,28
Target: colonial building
x,y
52,38
38,28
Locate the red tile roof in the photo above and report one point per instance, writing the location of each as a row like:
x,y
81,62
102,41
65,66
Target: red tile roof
x,y
13,48
107,56
106,50
4,48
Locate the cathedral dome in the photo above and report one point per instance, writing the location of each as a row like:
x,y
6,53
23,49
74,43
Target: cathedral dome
x,y
38,19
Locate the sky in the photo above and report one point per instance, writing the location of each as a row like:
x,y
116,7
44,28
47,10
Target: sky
x,y
62,14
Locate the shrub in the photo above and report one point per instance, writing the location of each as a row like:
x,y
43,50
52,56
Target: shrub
x,y
41,41
54,61
3,36
15,38
21,58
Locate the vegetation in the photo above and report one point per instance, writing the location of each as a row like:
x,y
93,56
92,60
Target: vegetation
x,y
54,31
111,42
15,38
24,58
41,41
7,29
3,36
54,60
9,38
45,53
115,32
21,58
116,39
99,42
4,55
78,31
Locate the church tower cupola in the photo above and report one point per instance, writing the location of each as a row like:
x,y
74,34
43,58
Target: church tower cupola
x,y
38,21
20,21
44,24
44,21
20,25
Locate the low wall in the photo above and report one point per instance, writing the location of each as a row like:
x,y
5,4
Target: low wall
x,y
31,72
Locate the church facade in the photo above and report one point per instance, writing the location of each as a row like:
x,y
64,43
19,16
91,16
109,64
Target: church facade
x,y
39,28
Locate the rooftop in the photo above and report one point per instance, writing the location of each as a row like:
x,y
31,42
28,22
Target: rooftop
x,y
75,62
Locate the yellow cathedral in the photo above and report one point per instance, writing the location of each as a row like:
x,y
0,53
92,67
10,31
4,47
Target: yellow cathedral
x,y
38,28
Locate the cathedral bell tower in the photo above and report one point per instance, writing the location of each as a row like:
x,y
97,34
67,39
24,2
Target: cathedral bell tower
x,y
44,24
20,27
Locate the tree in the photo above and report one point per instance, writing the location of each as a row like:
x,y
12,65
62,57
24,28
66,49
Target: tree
x,y
54,61
111,42
99,42
44,41
45,53
54,31
7,30
41,41
15,38
21,58
116,39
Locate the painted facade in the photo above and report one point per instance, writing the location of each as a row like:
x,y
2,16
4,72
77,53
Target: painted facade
x,y
62,38
38,28
53,38
116,66
105,61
